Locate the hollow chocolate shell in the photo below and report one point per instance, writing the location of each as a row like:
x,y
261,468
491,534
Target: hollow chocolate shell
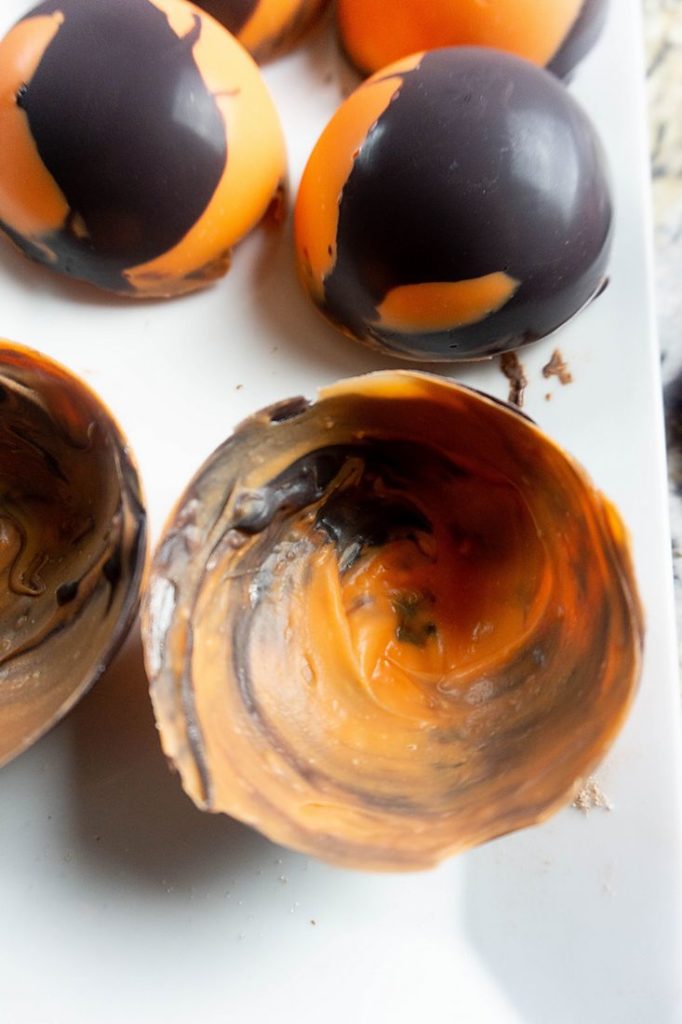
x,y
455,206
266,28
138,143
555,35
390,625
72,543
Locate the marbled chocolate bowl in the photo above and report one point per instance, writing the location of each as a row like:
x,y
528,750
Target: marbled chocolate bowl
x,y
72,543
390,625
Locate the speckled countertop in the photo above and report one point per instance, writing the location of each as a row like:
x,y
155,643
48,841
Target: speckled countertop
x,y
663,23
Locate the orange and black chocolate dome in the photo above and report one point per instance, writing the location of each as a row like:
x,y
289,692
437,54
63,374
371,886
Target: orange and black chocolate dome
x,y
455,206
138,143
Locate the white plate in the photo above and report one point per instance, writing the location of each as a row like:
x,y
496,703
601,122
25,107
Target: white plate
x,y
121,902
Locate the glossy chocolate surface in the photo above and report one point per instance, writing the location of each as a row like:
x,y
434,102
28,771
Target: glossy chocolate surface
x,y
121,119
72,544
480,170
233,14
390,625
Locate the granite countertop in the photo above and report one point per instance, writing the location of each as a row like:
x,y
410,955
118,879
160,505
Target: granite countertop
x,y
663,25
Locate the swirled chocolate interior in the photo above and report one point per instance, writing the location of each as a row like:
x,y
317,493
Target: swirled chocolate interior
x,y
390,625
72,533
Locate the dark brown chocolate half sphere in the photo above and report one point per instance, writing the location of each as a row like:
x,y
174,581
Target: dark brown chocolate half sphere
x,y
138,143
390,625
455,206
266,28
72,543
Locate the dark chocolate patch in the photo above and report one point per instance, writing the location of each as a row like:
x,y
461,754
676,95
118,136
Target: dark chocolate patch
x,y
126,126
302,484
288,410
358,512
584,33
112,569
67,592
355,519
233,14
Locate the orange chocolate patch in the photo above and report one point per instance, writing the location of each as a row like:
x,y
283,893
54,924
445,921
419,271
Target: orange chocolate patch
x,y
31,202
330,166
437,306
534,29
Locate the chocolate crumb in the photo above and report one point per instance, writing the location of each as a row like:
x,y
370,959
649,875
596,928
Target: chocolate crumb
x,y
556,367
548,397
591,796
513,370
